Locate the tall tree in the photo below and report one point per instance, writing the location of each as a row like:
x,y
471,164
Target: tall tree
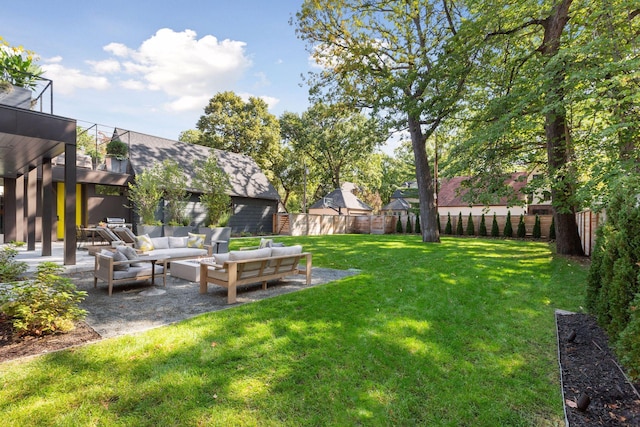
x,y
397,59
231,124
336,139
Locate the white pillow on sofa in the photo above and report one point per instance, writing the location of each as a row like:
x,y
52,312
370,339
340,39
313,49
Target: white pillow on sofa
x,y
178,242
250,254
160,242
287,250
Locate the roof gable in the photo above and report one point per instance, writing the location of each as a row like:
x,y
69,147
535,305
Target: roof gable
x,y
245,176
342,199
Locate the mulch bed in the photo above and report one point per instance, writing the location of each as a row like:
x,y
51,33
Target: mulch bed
x,y
596,391
14,347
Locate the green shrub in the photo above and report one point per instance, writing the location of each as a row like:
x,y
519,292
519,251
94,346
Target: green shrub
x,y
409,229
44,305
459,227
552,229
629,344
10,269
439,227
522,229
399,224
418,229
482,231
495,231
613,284
508,228
471,230
537,232
448,228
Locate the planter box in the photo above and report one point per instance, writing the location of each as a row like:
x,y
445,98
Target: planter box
x,y
16,96
118,166
151,230
217,233
177,230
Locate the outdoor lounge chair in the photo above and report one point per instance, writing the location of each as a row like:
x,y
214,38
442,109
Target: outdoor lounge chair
x,y
125,234
110,237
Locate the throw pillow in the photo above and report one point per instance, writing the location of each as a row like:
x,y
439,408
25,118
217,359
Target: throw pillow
x,y
265,243
119,256
288,250
144,243
160,242
196,241
131,255
178,242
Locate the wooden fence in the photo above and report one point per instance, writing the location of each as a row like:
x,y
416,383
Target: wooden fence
x,y
306,224
301,224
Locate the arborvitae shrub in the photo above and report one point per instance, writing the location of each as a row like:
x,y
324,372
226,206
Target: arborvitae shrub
x,y
552,229
495,231
522,229
483,227
508,228
537,232
471,229
399,225
409,229
613,284
459,227
447,228
418,229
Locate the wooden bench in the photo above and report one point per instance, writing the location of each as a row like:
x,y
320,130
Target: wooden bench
x,y
258,270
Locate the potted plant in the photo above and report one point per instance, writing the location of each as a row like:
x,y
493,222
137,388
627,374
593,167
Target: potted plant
x,y
213,183
174,186
145,193
117,160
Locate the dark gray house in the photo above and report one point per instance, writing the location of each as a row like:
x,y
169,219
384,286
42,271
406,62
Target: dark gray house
x,y
254,199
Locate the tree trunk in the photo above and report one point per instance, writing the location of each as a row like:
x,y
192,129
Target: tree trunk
x,y
428,211
559,144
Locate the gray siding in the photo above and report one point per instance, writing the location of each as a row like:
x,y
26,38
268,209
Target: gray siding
x,y
252,215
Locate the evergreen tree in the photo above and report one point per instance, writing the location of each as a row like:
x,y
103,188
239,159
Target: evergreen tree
x,y
409,229
459,227
471,229
483,227
522,228
439,227
447,228
418,230
495,231
399,224
552,229
537,233
508,228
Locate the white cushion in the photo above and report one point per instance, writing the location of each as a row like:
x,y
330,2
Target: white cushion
x,y
287,250
251,254
178,242
160,242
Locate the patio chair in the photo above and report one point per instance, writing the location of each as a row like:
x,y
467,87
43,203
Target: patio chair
x,y
110,237
125,234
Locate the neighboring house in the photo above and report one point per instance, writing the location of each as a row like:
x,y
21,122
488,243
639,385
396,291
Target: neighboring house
x,y
340,202
450,199
104,194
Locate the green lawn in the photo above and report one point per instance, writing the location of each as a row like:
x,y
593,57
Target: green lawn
x,y
460,333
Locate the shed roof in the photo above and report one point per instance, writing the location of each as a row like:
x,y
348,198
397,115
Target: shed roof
x,y
342,199
245,176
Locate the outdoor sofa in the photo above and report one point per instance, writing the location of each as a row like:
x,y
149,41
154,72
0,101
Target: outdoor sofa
x,y
123,264
243,267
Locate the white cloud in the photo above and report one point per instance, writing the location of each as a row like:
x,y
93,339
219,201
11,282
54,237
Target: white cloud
x,y
184,67
188,103
67,80
132,84
270,100
107,66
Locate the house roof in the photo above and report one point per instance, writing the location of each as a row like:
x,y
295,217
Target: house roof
x,y
398,204
245,176
342,199
451,191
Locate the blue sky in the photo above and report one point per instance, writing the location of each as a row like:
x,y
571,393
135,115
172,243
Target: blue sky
x,y
152,66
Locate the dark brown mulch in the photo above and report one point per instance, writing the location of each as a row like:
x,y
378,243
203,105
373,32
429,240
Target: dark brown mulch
x,y
13,347
591,373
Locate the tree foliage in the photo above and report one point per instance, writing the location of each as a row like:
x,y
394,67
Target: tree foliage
x,y
18,65
231,124
396,59
213,184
